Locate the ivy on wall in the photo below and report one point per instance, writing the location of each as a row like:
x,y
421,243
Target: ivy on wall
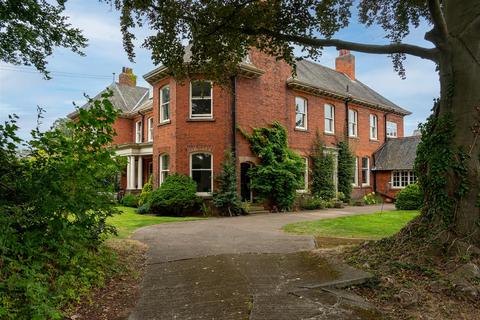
x,y
322,170
346,169
280,172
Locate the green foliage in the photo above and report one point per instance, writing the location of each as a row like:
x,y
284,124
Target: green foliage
x,y
29,32
226,199
130,200
176,196
54,202
370,198
340,196
280,172
322,171
146,191
308,202
409,198
346,168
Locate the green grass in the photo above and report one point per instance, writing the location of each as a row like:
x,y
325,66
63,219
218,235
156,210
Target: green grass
x,y
366,226
129,221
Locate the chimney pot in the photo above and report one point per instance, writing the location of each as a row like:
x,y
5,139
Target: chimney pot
x,y
127,77
345,63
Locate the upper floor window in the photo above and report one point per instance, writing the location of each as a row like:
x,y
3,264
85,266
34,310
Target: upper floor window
x,y
373,127
300,113
402,178
165,104
164,166
138,132
352,123
365,171
150,129
355,172
201,165
329,118
392,129
201,99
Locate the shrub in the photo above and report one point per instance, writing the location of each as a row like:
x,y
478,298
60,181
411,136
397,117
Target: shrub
x,y
410,198
312,203
340,196
346,169
227,199
144,208
280,172
322,171
129,200
370,198
146,191
176,196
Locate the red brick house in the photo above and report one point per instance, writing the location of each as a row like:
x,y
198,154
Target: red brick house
x,y
187,126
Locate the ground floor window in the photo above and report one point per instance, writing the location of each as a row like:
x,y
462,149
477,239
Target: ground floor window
x,y
164,166
365,171
402,178
304,182
201,171
355,172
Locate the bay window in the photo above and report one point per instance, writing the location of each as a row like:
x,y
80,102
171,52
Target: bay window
x,y
201,99
201,165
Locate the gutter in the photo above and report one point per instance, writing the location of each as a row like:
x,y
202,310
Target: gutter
x,y
233,84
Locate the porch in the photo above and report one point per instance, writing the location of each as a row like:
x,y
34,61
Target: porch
x,y
139,165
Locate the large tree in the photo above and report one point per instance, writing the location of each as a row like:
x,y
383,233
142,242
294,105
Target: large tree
x,y
222,32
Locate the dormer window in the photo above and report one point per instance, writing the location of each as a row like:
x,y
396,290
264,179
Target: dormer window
x,y
201,99
138,132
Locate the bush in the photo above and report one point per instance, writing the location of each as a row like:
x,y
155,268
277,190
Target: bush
x,y
227,199
370,198
129,200
322,170
410,198
176,196
312,203
346,170
146,191
144,208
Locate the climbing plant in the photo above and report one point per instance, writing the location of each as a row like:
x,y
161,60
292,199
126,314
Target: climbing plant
x,y
322,170
346,169
280,171
226,199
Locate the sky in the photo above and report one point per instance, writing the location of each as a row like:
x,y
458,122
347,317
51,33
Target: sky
x,y
22,89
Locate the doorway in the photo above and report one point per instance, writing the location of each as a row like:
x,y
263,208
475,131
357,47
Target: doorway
x,y
245,191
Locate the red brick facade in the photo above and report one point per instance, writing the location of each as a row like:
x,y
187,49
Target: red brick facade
x,y
259,101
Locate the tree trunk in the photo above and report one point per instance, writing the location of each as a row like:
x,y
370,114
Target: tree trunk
x,y
460,98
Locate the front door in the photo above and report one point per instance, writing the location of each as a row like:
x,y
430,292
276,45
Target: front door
x,y
245,190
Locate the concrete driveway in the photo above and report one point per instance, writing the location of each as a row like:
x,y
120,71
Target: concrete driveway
x,y
240,268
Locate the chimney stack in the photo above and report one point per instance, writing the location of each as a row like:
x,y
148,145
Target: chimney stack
x,y
345,63
127,77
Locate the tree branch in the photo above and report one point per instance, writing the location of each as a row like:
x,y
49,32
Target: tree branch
x,y
424,53
440,25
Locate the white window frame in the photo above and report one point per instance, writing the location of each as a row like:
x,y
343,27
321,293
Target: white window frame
x,y
373,127
305,115
138,131
211,169
367,180
411,178
150,129
203,115
353,122
355,173
161,179
391,123
330,120
163,104
305,177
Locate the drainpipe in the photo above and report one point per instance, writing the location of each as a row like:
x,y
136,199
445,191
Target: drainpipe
x,y
385,127
233,84
374,174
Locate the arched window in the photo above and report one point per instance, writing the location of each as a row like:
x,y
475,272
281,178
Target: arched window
x,y
201,164
164,167
164,104
300,113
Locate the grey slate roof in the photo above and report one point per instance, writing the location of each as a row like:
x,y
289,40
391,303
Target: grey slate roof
x,y
397,154
325,78
125,98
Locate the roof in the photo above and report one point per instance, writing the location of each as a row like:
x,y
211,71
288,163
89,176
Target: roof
x,y
322,77
125,98
397,154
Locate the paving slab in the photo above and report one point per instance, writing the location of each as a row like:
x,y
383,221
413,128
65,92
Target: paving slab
x,y
244,268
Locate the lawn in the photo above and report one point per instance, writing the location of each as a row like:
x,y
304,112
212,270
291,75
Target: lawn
x,y
129,221
366,226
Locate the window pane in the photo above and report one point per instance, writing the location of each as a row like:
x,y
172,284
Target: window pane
x,y
328,111
203,179
201,161
300,105
201,106
300,120
165,93
165,112
201,89
165,162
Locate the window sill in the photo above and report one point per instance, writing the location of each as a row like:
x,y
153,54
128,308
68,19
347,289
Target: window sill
x,y
301,129
302,191
374,140
354,137
365,185
204,195
163,123
327,133
200,120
